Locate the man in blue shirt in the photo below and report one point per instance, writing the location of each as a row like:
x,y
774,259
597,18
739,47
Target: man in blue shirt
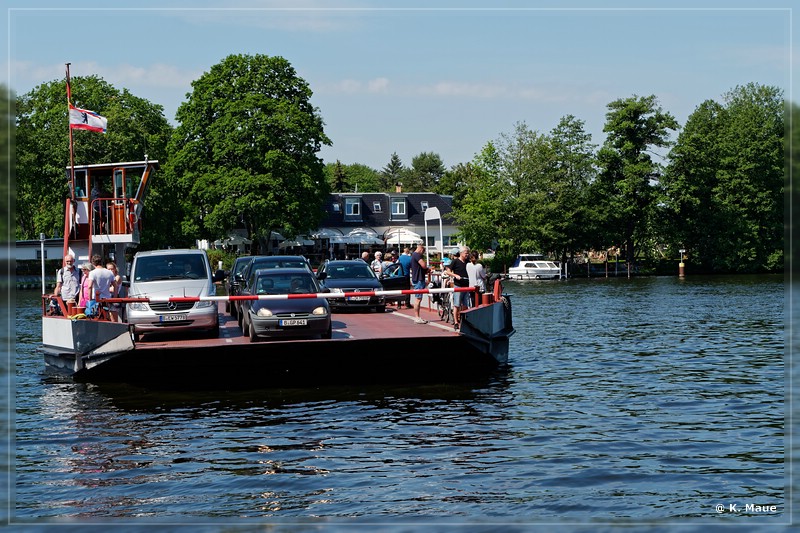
x,y
405,261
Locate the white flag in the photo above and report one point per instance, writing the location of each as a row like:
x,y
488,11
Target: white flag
x,y
83,119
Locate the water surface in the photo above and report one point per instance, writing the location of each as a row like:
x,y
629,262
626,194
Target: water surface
x,y
627,401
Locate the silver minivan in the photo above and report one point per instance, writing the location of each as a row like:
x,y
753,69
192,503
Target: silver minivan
x,y
170,273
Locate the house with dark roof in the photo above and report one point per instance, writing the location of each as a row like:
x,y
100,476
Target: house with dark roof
x,y
373,221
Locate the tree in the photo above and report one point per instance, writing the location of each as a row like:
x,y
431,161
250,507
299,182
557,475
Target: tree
x,y
481,212
356,177
724,185
689,182
625,190
338,179
246,150
7,188
526,162
426,171
568,214
136,128
394,172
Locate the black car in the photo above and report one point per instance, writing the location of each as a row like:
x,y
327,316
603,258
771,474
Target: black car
x,y
234,280
393,278
284,317
352,275
268,261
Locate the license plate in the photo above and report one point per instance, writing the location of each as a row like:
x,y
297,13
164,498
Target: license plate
x,y
293,322
171,318
357,298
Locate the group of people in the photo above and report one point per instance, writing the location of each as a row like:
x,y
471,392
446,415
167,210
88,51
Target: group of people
x,y
381,262
464,270
89,281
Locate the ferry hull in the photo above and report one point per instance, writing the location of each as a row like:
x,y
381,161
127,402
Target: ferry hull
x,y
75,345
367,348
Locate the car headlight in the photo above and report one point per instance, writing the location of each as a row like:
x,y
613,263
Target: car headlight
x,y
263,311
205,303
337,290
138,306
320,311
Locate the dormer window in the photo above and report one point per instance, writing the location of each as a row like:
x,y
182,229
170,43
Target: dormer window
x,y
399,208
352,208
423,205
376,207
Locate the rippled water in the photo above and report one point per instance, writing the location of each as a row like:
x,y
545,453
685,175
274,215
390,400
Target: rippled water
x,y
628,401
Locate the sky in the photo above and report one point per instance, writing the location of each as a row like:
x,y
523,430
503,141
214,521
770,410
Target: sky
x,y
446,77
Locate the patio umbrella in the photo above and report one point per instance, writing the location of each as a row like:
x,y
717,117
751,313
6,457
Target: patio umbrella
x,y
402,236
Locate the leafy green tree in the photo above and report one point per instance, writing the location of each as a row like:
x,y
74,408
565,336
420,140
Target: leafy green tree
x,y
481,213
527,161
454,181
689,183
246,150
427,169
568,215
725,182
136,128
357,177
7,186
792,167
626,189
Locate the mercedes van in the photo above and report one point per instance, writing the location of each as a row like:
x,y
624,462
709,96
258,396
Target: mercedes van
x,y
170,273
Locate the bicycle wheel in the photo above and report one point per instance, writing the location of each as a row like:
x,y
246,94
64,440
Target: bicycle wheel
x,y
443,306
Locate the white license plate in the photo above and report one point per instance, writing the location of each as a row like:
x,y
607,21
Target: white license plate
x,y
357,298
171,318
293,322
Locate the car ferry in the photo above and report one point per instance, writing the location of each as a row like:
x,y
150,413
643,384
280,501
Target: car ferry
x,y
385,347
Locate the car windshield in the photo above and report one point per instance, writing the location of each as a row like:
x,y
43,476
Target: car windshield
x,y
239,267
349,271
163,267
285,284
281,263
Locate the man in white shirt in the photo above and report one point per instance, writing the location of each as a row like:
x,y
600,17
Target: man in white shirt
x,y
102,279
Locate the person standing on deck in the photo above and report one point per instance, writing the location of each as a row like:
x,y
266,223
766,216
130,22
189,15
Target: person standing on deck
x,y
457,269
102,279
68,280
419,270
477,274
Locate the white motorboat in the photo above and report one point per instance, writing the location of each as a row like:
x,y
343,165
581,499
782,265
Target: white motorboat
x,y
534,266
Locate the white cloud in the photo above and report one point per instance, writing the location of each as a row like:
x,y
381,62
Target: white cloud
x,y
26,75
378,85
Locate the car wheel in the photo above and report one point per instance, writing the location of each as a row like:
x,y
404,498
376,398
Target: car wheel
x,y
328,334
233,310
240,320
380,308
227,307
213,333
252,332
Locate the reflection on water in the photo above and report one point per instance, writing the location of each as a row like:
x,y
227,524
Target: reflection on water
x,y
646,399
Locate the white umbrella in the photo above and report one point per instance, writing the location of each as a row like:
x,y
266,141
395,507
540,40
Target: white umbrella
x,y
295,243
402,236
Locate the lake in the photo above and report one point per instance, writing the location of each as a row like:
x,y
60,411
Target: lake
x,y
628,401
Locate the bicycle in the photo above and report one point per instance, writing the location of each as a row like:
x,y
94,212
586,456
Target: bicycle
x,y
446,307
